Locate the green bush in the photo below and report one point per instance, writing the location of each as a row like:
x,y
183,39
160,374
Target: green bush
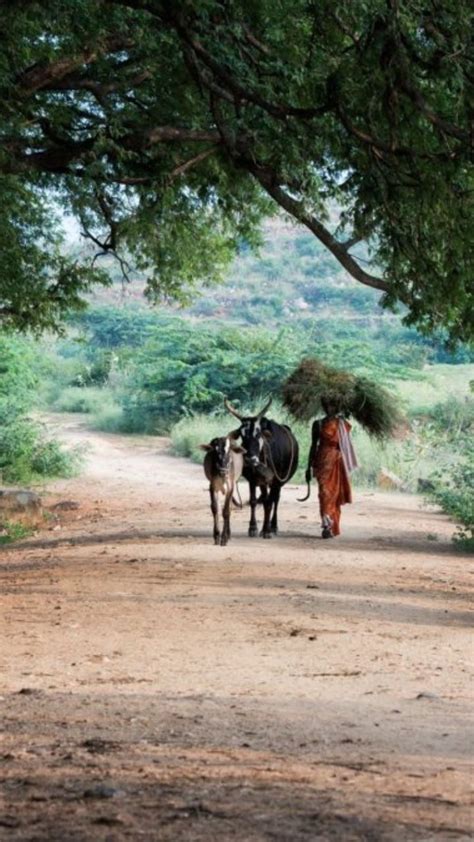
x,y
159,367
49,459
454,492
10,532
25,452
80,399
96,371
109,419
184,370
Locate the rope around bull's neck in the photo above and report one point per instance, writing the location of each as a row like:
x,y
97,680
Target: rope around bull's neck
x,y
268,454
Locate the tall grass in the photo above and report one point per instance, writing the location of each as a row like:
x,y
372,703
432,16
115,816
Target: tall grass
x,y
87,399
434,384
189,433
100,405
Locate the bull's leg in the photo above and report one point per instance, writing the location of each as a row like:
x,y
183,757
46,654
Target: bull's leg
x,y
253,502
267,508
275,497
215,513
225,537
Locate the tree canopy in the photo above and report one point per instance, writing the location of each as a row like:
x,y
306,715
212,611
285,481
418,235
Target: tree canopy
x,y
169,128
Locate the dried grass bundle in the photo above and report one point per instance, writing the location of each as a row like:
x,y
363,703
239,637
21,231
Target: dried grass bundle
x,y
314,382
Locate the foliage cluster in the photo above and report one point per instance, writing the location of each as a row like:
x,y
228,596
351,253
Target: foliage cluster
x,y
25,452
11,531
452,485
170,129
161,367
158,367
454,492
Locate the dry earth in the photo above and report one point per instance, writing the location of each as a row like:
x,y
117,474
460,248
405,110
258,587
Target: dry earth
x,y
156,687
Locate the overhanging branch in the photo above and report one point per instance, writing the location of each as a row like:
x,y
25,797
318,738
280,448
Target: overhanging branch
x,y
296,209
40,76
59,157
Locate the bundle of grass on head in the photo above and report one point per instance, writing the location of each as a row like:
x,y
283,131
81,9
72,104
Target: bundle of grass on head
x,y
315,386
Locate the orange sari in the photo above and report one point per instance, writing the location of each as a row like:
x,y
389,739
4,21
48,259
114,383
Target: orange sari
x,y
331,474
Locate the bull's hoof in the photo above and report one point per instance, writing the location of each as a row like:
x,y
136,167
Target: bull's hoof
x,y
217,540
266,534
224,541
253,531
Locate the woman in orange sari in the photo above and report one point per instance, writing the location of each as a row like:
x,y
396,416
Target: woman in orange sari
x,y
332,458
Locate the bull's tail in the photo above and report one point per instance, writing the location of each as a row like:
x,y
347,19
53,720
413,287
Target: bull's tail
x,y
308,472
308,494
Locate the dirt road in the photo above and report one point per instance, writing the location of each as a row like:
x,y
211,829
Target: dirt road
x,y
156,687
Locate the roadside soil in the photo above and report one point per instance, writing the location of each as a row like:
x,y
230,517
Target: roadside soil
x,y
157,687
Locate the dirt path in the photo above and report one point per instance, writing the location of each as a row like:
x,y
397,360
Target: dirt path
x,y
156,687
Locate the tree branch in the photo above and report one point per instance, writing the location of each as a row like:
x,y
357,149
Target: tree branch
x,y
99,89
41,76
296,208
192,162
241,92
58,157
348,244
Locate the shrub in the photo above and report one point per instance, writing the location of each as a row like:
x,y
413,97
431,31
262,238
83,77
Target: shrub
x,y
80,399
454,492
25,452
10,532
95,372
109,419
49,459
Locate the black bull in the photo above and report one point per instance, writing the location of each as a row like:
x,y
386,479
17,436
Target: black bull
x,y
270,460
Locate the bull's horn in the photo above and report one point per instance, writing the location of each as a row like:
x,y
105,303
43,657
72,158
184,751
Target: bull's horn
x,y
263,411
232,411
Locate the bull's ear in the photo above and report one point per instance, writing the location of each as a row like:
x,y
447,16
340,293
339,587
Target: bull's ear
x,y
267,434
234,434
206,447
237,449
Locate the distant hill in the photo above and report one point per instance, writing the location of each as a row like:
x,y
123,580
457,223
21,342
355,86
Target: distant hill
x,y
291,274
293,282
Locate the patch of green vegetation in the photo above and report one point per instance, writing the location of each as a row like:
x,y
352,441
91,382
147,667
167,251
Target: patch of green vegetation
x,y
86,399
453,490
10,532
26,453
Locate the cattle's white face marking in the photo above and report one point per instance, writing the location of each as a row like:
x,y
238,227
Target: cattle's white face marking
x,y
222,452
252,439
